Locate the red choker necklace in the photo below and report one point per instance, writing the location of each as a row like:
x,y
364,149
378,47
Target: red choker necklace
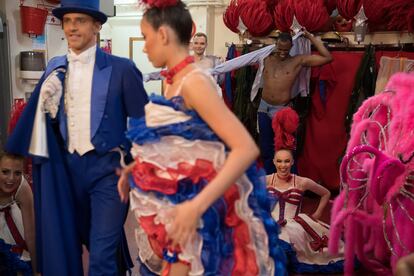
x,y
169,74
287,178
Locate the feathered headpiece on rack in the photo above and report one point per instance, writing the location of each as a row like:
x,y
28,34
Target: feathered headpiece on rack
x,y
159,4
313,18
401,15
348,8
257,16
231,16
252,15
285,123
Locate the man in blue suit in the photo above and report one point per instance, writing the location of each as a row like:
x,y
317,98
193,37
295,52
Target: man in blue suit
x,y
74,128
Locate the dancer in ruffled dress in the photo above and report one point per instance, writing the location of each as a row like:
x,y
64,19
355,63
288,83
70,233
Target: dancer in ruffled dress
x,y
200,203
17,228
306,237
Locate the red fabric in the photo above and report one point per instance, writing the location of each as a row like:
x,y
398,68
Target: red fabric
x,y
318,243
231,15
18,239
157,236
146,175
325,137
348,8
244,257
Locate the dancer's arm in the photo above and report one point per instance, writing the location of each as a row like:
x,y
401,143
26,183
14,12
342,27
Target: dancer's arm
x,y
199,93
324,56
324,193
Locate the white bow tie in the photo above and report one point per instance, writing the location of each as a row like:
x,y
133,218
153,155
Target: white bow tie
x,y
78,58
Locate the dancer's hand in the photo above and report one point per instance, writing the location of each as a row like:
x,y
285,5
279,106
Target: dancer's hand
x,y
185,217
123,186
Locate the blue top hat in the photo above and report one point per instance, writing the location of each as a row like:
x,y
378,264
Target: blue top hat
x,y
89,7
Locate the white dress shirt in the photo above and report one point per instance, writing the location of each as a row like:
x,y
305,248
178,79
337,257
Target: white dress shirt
x,y
78,100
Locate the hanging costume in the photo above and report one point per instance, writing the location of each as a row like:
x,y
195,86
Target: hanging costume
x,y
364,86
388,67
176,155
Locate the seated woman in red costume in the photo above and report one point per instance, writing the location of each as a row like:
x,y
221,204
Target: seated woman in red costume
x,y
200,203
17,229
305,237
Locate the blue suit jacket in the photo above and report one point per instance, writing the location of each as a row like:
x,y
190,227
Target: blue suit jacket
x,y
117,93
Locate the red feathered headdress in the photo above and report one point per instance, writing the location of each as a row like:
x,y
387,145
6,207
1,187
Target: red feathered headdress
x,y
311,14
400,15
231,15
330,5
375,12
314,17
160,3
285,123
257,16
283,15
348,8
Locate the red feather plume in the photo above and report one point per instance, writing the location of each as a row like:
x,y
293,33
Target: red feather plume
x,y
231,15
283,15
257,17
160,4
285,123
348,8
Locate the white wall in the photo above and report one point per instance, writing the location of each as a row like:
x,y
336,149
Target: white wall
x,y
222,34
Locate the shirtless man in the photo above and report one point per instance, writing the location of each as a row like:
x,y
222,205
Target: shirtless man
x,y
276,76
279,75
199,47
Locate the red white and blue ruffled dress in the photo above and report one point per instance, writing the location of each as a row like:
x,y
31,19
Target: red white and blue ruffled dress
x,y
176,156
304,240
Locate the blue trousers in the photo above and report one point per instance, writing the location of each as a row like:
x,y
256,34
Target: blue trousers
x,y
99,212
266,136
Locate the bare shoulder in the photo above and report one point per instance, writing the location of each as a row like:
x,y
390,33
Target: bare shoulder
x,y
269,179
197,82
302,182
25,193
